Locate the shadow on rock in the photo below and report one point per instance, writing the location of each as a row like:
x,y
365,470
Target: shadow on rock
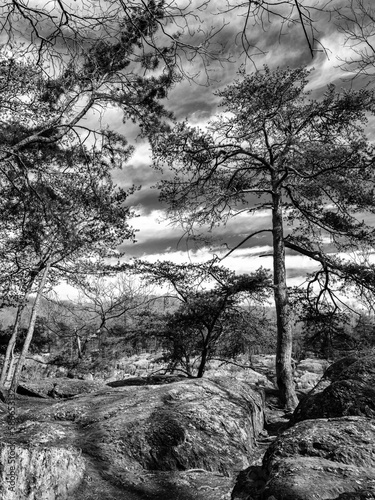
x,y
183,440
328,451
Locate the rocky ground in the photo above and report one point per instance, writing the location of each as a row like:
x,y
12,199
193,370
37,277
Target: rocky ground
x,y
185,439
123,434
327,450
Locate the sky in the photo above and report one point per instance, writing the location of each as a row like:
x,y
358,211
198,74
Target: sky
x,y
156,238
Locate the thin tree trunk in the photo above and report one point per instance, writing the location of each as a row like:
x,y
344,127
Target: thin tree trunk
x,y
9,355
79,346
284,372
30,331
202,364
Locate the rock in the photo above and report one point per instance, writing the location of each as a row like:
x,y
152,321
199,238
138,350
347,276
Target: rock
x,y
306,372
322,459
263,363
361,369
152,380
192,424
311,479
319,456
315,459
312,365
63,387
306,380
347,440
33,393
342,398
346,388
183,440
38,471
250,483
191,485
336,368
55,392
128,382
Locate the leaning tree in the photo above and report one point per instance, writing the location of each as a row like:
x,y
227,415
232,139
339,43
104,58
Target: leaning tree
x,y
306,161
59,207
62,215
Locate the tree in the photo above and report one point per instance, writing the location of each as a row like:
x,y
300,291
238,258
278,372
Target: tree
x,y
189,344
77,61
187,28
287,15
332,332
306,161
70,327
363,331
326,331
210,305
356,21
64,215
109,299
81,58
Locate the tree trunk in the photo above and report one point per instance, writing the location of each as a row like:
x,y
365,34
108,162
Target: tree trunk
x,y
202,365
79,346
284,372
30,331
9,355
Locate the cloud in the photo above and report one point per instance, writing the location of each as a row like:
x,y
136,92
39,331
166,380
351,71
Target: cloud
x,y
158,236
242,261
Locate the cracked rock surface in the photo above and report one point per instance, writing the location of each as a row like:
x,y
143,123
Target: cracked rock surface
x,y
328,451
182,440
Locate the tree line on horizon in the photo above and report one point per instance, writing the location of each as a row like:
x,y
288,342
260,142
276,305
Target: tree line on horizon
x,y
108,323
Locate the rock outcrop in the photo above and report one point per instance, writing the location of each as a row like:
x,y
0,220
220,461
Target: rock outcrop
x,y
315,459
183,440
346,388
329,450
321,459
307,372
34,469
59,387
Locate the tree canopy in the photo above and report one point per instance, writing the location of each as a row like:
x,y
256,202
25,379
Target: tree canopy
x,y
211,320
306,161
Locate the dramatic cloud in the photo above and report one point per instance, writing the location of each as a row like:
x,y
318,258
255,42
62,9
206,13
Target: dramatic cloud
x,y
197,103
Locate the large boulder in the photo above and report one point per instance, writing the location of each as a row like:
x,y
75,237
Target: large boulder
x,y
346,388
316,459
328,452
312,365
341,398
151,380
59,387
38,464
308,372
182,440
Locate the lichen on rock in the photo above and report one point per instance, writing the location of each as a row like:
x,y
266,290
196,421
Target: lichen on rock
x,y
179,440
39,472
328,451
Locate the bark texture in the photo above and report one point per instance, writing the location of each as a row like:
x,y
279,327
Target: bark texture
x,y
284,372
30,330
9,355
